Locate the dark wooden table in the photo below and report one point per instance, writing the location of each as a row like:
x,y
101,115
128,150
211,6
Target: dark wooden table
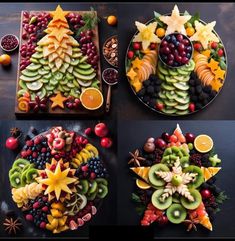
x,y
10,23
223,106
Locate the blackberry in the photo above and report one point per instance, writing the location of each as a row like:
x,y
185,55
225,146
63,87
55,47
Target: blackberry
x,y
141,92
197,82
153,78
207,89
199,89
194,98
146,83
146,99
157,88
192,82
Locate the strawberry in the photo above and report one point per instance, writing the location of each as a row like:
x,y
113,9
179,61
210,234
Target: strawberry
x,y
197,46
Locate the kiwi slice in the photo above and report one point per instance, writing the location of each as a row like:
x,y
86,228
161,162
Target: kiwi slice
x,y
14,170
23,178
184,161
31,174
92,187
102,191
102,181
92,196
27,167
192,204
83,186
153,178
15,180
158,202
198,180
21,163
176,213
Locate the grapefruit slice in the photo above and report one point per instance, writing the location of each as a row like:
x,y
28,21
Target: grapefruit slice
x,y
142,185
141,172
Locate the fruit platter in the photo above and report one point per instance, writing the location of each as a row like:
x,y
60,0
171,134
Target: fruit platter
x,y
59,66
58,180
176,64
175,180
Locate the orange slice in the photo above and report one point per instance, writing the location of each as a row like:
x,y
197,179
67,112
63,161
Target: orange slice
x,y
203,143
141,184
91,98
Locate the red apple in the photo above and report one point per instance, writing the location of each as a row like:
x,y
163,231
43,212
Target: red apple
x,y
106,142
160,143
101,130
12,143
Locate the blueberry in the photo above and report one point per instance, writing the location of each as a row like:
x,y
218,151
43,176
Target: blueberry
x,y
164,57
177,43
43,154
152,102
192,81
175,64
153,77
188,55
167,38
33,148
199,89
197,81
146,83
102,174
192,90
141,92
189,49
105,170
146,99
150,90
173,39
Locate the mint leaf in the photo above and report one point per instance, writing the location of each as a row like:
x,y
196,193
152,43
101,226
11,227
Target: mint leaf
x,y
140,210
156,17
135,198
221,197
194,18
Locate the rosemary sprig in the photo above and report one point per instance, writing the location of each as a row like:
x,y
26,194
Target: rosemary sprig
x,y
90,19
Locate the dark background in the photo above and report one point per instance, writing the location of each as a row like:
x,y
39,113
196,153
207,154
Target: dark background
x,y
10,24
222,107
106,214
135,136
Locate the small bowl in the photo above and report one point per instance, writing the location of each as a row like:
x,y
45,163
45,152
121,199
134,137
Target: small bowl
x,y
114,36
109,83
9,50
175,34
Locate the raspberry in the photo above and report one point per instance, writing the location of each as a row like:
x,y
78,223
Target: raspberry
x,y
85,168
44,149
29,152
43,225
24,154
45,209
37,140
29,217
35,154
36,205
29,143
93,175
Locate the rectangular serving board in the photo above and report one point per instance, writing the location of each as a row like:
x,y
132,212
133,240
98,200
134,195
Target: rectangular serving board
x,y
81,112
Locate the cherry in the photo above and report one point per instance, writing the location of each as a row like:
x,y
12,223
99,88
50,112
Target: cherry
x,y
220,52
214,45
166,136
197,46
205,193
136,46
189,137
160,143
12,143
130,54
106,142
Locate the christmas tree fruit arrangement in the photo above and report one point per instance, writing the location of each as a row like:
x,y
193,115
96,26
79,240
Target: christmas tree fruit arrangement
x,y
58,180
59,63
176,64
175,180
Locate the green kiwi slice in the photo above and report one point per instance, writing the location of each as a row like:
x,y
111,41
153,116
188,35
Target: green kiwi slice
x,y
23,178
31,174
92,196
21,163
192,204
83,186
158,202
153,178
14,170
198,180
102,191
92,187
15,180
176,213
102,181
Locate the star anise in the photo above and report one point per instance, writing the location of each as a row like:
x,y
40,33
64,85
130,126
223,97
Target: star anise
x,y
38,104
136,159
12,225
191,224
15,132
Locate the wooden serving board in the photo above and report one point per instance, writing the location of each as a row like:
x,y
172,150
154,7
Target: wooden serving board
x,y
82,112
